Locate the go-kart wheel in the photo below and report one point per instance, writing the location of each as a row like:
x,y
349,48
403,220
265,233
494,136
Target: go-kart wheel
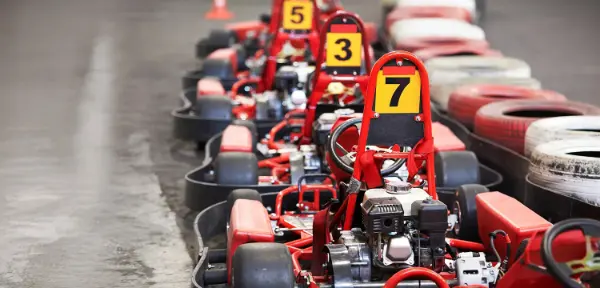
x,y
346,162
190,80
202,49
219,68
214,107
262,265
237,194
591,261
236,168
219,39
251,126
465,207
265,18
455,168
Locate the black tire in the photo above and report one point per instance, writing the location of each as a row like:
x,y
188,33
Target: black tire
x,y
455,168
236,168
202,49
265,18
214,107
241,55
219,68
190,79
219,39
465,207
251,126
249,194
262,265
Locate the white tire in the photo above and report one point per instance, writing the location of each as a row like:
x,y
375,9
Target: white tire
x,y
469,5
451,69
568,167
561,128
441,93
428,28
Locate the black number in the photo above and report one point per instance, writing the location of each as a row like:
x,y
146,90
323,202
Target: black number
x,y
297,11
345,48
402,84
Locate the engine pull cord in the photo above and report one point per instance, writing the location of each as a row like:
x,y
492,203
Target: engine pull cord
x,y
503,263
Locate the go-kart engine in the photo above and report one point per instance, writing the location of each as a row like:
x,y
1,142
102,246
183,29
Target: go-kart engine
x,y
405,227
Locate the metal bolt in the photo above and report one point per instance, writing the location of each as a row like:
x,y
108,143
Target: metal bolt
x,y
376,115
418,118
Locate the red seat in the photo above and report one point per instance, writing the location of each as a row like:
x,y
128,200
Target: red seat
x,y
210,86
227,54
236,139
249,222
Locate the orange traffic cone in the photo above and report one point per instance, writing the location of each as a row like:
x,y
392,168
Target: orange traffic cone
x,y
219,11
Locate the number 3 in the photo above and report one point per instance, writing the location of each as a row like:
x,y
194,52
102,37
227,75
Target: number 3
x,y
345,48
403,83
297,11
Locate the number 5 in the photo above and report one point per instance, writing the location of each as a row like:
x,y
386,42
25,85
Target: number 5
x,y
297,11
402,84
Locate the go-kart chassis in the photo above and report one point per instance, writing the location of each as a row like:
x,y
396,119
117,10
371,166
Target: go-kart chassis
x,y
187,126
514,168
211,222
201,191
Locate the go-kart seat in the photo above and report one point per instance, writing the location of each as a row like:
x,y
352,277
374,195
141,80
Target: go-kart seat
x,y
236,138
249,222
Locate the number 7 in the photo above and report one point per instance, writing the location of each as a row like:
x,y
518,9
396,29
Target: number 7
x,y
402,84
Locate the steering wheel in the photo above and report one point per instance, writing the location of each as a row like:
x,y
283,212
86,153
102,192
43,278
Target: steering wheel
x,y
564,271
346,162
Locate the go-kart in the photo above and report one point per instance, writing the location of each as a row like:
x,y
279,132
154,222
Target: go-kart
x,y
274,86
396,233
250,36
234,161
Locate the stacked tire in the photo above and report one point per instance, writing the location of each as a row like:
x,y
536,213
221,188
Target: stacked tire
x,y
565,156
496,97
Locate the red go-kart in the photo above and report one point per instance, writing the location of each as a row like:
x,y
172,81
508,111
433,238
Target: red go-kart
x,y
397,233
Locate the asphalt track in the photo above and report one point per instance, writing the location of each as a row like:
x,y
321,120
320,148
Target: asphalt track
x,y
90,178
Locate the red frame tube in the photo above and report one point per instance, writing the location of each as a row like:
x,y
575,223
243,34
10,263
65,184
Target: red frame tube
x,y
416,272
314,100
369,114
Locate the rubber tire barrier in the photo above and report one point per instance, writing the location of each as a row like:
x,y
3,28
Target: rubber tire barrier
x,y
418,33
449,70
561,128
469,5
495,122
263,265
456,168
236,168
555,168
466,100
429,53
442,93
237,194
465,199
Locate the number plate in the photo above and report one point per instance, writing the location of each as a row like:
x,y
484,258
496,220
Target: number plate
x,y
297,15
398,91
344,49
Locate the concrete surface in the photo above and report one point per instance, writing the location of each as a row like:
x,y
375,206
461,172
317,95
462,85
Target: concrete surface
x,y
90,179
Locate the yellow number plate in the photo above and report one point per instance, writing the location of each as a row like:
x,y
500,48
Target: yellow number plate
x,y
297,15
344,49
398,91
